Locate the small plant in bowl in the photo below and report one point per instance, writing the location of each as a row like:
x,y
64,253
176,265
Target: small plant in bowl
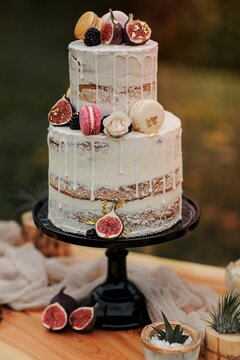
x,y
170,340
222,340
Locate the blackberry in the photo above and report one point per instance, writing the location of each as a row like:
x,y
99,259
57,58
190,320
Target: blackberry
x,y
91,234
102,127
74,122
92,37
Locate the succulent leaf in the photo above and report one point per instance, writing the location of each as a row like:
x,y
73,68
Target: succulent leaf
x,y
169,334
225,318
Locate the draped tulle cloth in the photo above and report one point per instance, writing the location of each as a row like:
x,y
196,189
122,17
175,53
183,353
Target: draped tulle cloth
x,y
29,280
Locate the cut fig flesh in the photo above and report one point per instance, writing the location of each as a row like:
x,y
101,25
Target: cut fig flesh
x,y
60,113
136,32
82,319
109,226
54,317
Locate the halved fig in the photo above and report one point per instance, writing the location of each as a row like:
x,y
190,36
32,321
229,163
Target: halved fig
x,y
60,113
109,226
112,31
66,301
136,32
82,319
119,16
54,317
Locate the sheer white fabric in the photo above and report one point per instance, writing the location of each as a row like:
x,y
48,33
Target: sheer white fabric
x,y
29,280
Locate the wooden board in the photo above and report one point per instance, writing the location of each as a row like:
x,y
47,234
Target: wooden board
x,y
22,336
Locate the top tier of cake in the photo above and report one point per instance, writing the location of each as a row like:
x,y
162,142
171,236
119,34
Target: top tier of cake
x,y
113,77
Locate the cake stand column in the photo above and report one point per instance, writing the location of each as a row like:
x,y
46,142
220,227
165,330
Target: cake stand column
x,y
120,303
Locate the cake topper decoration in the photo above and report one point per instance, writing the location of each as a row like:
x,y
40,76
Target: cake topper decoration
x,y
92,37
117,124
88,20
60,113
90,120
119,16
112,31
136,32
147,116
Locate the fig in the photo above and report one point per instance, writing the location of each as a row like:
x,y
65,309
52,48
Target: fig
x,y
54,317
119,16
82,319
109,226
60,113
136,32
66,301
112,31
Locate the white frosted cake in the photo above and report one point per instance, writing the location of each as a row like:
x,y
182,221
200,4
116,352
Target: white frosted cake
x,y
114,77
94,167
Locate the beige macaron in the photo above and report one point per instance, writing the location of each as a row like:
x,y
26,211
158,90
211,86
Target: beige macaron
x,y
147,116
88,20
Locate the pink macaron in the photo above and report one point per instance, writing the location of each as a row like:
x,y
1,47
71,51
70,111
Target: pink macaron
x,y
90,120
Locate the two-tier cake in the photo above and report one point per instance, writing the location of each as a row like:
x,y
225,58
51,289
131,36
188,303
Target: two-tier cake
x,y
111,144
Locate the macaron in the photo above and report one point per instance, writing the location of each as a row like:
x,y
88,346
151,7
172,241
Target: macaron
x,y
88,20
90,120
147,116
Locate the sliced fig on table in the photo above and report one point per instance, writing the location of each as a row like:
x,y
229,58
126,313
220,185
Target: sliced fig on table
x,y
65,300
55,315
83,319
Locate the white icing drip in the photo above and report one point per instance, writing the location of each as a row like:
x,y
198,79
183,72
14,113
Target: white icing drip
x,y
121,157
136,174
81,69
114,83
155,80
142,78
181,155
173,166
78,90
59,173
96,78
164,175
48,139
126,104
65,158
92,198
74,165
150,166
152,75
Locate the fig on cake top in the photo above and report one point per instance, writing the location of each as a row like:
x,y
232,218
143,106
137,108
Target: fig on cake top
x,y
114,28
120,16
136,32
112,31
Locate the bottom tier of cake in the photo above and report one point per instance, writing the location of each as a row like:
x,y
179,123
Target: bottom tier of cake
x,y
141,174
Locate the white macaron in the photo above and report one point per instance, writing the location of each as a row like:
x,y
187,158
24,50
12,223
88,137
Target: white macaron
x,y
147,116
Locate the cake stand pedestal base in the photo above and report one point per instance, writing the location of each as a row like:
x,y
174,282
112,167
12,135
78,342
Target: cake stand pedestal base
x,y
119,304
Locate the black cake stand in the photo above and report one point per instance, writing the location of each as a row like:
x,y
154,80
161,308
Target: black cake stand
x,y
120,304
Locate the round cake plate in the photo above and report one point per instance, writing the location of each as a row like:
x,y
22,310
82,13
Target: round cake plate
x,y
120,305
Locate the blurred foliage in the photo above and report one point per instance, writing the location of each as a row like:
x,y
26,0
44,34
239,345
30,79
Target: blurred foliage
x,y
199,55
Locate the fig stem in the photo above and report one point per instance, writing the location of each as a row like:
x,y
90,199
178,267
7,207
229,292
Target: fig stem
x,y
62,289
96,305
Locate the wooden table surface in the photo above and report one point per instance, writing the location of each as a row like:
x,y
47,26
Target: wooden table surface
x,y
22,336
